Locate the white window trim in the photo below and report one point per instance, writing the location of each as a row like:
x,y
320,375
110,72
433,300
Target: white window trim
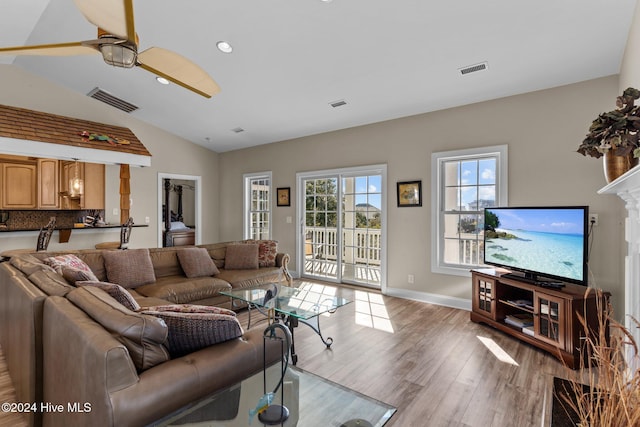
x,y
246,200
437,159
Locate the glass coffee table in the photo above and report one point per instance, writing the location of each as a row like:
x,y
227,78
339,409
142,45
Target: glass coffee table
x,y
312,401
291,305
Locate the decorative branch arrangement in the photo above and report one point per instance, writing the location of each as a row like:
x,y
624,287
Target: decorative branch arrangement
x,y
616,130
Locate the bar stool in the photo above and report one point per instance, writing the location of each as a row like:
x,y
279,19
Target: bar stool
x,y
41,244
125,233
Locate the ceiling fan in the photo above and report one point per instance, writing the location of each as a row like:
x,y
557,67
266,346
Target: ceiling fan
x,y
118,43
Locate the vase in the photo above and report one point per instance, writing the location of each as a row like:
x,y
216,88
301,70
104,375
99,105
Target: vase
x,y
614,166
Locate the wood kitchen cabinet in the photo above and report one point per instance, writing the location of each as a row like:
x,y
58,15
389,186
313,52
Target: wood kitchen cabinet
x,y
92,175
48,184
18,183
31,183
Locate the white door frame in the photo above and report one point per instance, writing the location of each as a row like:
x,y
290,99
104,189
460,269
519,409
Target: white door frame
x,y
198,202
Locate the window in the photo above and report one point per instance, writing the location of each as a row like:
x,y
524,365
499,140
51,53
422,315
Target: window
x,y
257,206
464,182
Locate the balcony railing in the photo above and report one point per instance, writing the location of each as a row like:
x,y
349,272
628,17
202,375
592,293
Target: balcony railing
x,y
361,245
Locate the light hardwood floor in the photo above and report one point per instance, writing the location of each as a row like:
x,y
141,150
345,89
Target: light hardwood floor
x,y
8,395
431,362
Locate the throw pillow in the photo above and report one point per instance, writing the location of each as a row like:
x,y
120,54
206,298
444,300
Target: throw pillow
x,y
118,293
130,268
73,275
267,251
144,336
191,308
241,257
196,262
71,261
192,328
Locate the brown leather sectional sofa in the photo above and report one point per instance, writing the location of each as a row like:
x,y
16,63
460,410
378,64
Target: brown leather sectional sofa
x,y
58,352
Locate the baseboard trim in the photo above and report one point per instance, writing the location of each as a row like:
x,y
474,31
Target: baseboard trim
x,y
447,301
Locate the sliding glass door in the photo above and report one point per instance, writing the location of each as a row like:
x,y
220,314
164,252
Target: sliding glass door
x,y
342,226
321,228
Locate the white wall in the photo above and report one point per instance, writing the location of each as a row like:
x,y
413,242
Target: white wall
x,y
630,69
543,129
170,154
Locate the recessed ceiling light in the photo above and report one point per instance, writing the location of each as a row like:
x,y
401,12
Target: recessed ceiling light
x,y
224,47
326,1
162,80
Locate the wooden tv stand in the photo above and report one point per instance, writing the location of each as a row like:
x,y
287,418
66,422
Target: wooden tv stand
x,y
555,328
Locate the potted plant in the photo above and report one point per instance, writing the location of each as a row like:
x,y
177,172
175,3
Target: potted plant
x,y
614,135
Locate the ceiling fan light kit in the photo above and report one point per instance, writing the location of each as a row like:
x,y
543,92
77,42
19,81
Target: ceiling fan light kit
x,y
119,55
118,43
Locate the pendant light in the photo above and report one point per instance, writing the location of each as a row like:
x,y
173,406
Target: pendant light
x,y
76,185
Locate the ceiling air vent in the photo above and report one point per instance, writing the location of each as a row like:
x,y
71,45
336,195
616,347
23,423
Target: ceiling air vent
x,y
109,99
336,104
237,130
473,68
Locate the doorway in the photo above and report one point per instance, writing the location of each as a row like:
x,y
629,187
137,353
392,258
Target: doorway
x,y
190,188
341,236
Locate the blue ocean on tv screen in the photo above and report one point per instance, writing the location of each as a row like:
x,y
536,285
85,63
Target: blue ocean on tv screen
x,y
552,253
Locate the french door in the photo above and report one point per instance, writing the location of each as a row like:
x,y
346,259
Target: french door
x,y
342,226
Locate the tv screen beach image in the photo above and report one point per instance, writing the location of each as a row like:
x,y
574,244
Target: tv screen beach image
x,y
546,241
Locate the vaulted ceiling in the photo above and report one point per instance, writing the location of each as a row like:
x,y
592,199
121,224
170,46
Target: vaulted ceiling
x,y
293,58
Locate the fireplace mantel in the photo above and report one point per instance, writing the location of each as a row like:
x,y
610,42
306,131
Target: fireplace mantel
x,y
627,187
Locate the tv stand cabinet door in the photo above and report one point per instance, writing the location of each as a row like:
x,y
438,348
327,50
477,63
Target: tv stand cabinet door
x,y
549,319
484,295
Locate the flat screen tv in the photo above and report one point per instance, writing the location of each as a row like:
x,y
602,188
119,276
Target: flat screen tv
x,y
547,244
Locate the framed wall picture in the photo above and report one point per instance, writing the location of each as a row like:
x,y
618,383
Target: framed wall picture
x,y
409,193
283,195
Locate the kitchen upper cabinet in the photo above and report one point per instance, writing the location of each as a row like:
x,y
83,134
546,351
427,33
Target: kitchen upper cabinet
x,y
30,183
48,184
19,182
92,176
93,197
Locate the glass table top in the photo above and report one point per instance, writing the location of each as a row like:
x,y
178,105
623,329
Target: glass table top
x,y
312,401
303,302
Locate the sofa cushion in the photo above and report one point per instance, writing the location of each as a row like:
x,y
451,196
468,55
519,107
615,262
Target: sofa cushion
x,y
196,262
192,327
29,264
183,290
165,262
245,278
217,254
117,292
129,268
143,335
50,282
241,257
267,251
76,269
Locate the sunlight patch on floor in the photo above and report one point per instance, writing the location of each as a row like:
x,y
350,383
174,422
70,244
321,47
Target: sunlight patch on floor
x,y
371,311
314,297
497,351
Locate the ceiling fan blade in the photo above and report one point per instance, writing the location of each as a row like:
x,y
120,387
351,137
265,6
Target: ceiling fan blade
x,y
58,49
179,70
113,16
